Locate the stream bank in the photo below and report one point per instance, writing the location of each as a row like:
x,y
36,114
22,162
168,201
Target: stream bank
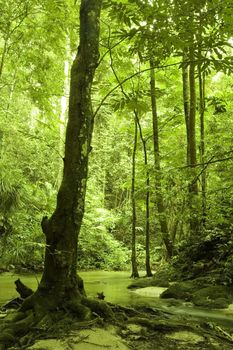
x,y
154,323
142,328
114,285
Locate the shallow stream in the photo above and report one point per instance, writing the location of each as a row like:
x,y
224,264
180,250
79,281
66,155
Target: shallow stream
x,y
114,285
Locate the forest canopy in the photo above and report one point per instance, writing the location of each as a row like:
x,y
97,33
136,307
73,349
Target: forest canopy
x,y
116,154
161,156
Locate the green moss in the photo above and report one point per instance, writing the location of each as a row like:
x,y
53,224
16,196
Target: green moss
x,y
180,290
99,307
218,297
81,311
200,293
149,282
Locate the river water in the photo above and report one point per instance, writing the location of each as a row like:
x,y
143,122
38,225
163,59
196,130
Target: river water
x,y
114,285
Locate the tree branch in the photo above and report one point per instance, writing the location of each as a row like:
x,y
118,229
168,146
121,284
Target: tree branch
x,y
127,79
208,162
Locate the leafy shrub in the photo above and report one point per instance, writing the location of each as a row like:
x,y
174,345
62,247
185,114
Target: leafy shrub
x,y
102,251
210,255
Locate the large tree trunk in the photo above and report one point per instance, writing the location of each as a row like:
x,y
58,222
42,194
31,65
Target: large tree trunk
x,y
158,189
63,115
61,289
59,281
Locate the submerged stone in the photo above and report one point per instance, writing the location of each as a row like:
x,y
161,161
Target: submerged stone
x,y
153,292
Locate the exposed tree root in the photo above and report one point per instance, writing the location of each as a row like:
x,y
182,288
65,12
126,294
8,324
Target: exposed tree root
x,y
167,326
11,331
42,318
100,308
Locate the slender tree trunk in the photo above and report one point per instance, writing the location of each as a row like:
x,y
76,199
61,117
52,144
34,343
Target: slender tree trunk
x,y
147,202
59,282
8,106
185,79
1,143
134,273
201,77
192,112
158,189
193,188
3,56
10,98
174,229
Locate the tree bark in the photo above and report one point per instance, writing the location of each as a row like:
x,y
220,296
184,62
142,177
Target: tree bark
x,y
185,80
192,111
60,282
201,77
147,202
193,188
4,52
63,113
158,189
134,273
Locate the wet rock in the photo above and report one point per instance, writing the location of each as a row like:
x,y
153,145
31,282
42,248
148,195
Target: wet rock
x,y
217,297
211,296
135,328
149,282
180,290
185,336
153,292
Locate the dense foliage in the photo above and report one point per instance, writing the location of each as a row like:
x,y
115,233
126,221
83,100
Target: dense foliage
x,y
210,258
137,37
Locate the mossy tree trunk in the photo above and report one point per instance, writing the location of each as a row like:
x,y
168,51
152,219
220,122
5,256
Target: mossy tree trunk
x,y
59,280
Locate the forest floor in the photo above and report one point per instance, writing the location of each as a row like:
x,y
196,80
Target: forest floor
x,y
133,337
143,328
